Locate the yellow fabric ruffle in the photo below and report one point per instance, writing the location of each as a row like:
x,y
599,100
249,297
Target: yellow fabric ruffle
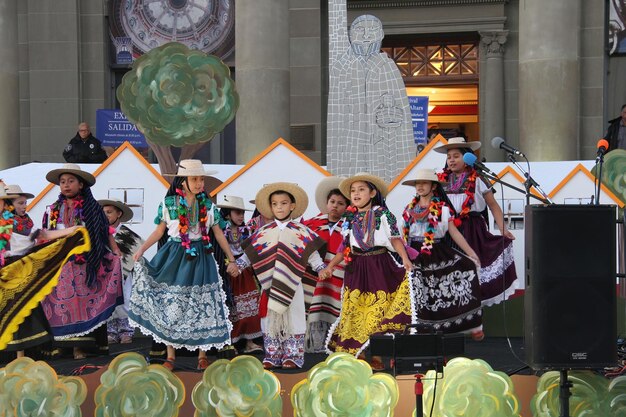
x,y
363,313
17,278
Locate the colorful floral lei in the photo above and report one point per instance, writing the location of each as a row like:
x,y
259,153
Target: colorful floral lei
x,y
56,210
348,217
183,218
470,189
434,213
6,229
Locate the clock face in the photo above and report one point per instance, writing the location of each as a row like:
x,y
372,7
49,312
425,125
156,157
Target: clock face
x,y
206,25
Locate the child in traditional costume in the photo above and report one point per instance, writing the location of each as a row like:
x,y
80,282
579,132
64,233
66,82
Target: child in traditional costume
x,y
375,295
177,297
279,253
326,302
90,286
444,283
29,272
245,288
119,329
470,195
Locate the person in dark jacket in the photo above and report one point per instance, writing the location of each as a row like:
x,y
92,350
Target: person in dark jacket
x,y
616,133
84,148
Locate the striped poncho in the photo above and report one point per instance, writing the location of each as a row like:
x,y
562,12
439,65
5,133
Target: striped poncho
x,y
279,258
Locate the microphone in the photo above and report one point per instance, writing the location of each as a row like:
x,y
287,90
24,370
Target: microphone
x,y
499,143
471,160
603,146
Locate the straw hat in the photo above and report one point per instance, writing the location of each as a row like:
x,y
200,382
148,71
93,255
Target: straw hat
x,y
233,202
262,198
378,182
323,188
191,168
16,190
457,143
127,212
423,175
53,176
3,194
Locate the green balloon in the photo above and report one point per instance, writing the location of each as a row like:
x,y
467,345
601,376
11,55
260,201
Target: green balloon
x,y
178,96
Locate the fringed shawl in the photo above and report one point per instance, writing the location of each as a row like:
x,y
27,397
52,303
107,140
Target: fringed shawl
x,y
279,258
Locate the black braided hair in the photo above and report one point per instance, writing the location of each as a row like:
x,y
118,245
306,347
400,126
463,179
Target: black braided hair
x,y
98,227
176,184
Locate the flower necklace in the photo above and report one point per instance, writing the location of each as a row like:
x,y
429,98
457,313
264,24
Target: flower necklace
x,y
432,212
69,219
348,215
23,224
470,182
6,229
183,218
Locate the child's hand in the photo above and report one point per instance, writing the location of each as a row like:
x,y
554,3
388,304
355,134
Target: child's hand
x,y
325,273
476,259
232,269
408,265
507,233
138,255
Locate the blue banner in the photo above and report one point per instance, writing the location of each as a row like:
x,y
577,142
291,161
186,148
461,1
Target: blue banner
x,y
419,118
113,129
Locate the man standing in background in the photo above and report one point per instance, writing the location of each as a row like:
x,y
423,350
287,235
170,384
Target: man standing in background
x,y
84,148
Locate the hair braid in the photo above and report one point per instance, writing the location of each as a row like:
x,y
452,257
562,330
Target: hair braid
x,y
98,227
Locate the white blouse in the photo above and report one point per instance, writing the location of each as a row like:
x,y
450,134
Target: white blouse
x,y
173,225
417,229
479,205
382,235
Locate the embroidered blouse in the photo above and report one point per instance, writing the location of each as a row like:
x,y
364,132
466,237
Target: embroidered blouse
x,y
418,228
457,195
385,229
170,218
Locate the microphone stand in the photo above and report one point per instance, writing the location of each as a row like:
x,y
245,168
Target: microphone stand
x,y
599,162
491,176
529,183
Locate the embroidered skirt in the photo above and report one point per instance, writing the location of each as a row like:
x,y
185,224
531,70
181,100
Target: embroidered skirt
x,y
180,302
74,309
445,290
25,281
246,323
375,299
497,263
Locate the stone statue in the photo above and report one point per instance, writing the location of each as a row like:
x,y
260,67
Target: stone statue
x,y
369,119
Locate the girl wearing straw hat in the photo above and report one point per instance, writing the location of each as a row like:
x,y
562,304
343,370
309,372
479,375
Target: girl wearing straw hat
x,y
246,294
375,292
326,302
445,290
28,273
119,329
90,286
177,297
470,196
279,253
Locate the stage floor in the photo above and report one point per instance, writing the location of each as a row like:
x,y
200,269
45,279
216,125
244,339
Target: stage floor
x,y
493,350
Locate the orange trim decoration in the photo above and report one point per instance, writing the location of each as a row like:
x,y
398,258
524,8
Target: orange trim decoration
x,y
580,168
103,166
279,141
438,140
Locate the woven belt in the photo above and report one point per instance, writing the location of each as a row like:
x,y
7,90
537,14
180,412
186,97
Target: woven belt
x,y
370,253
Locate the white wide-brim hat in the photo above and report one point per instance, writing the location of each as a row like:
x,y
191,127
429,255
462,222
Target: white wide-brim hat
x,y
191,168
233,202
423,175
378,182
16,190
127,212
457,143
54,175
324,187
262,198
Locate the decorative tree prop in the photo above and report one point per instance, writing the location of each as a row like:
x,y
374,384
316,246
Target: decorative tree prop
x,y
237,388
614,173
470,388
343,386
178,97
29,388
131,387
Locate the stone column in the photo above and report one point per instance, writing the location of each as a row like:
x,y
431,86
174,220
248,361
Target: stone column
x,y
262,75
549,79
493,122
9,83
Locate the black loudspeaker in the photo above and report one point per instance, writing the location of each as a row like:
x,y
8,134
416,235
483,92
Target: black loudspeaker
x,y
570,301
